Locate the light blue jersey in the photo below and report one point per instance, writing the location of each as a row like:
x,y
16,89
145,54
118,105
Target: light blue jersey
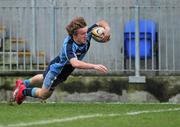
x,y
60,68
70,50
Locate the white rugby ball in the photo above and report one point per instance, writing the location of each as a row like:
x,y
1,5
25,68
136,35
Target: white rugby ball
x,y
97,33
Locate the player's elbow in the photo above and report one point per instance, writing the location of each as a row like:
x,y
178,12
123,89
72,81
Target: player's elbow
x,y
75,65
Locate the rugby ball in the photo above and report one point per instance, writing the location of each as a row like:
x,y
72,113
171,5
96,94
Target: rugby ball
x,y
97,33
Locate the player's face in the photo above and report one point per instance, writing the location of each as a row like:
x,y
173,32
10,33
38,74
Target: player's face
x,y
82,35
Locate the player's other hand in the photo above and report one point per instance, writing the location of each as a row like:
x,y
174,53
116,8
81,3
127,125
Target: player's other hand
x,y
106,34
101,68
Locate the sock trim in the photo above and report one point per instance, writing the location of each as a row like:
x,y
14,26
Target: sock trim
x,y
33,92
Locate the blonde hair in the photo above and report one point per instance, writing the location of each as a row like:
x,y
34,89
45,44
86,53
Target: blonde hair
x,y
75,24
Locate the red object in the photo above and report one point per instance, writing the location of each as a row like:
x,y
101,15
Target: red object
x,y
17,94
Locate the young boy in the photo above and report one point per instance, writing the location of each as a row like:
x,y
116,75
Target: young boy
x,y
75,46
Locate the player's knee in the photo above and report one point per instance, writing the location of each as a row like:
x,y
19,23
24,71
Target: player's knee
x,y
40,76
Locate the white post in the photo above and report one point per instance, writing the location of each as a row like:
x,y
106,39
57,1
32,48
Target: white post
x,y
33,47
53,30
137,78
137,54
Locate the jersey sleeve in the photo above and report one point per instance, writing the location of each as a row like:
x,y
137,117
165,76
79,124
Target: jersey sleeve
x,y
91,27
69,52
89,32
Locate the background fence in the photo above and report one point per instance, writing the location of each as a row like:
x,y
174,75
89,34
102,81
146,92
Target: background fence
x,y
32,33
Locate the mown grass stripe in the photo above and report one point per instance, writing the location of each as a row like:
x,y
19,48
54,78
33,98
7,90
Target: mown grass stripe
x,y
43,122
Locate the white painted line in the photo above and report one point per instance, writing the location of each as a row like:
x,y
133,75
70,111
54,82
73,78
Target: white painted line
x,y
42,122
152,111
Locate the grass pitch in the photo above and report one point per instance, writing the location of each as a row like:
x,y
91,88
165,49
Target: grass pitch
x,y
89,115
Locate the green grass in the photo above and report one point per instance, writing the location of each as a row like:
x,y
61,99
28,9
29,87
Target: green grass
x,y
36,112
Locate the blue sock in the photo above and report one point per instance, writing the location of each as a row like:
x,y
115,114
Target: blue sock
x,y
30,92
27,83
27,92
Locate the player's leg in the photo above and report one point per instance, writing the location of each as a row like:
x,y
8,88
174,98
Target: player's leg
x,y
51,80
21,91
41,93
36,80
45,91
23,88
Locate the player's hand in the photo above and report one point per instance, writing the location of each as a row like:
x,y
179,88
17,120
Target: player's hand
x,y
106,35
101,68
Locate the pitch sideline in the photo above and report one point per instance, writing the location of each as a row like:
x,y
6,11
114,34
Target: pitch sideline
x,y
42,122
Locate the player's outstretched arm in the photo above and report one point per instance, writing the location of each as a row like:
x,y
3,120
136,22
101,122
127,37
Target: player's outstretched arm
x,y
83,65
